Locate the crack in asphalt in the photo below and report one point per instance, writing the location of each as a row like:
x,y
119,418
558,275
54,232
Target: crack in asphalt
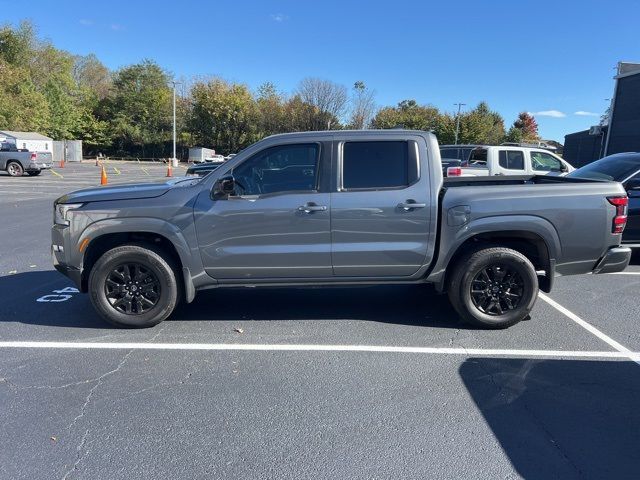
x,y
79,455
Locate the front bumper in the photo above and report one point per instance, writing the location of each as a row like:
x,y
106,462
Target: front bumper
x,y
615,260
60,255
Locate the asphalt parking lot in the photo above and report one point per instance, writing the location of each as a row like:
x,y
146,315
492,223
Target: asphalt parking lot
x,y
379,382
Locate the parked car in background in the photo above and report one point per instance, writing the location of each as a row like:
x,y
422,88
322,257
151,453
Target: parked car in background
x,y
337,208
202,169
623,168
484,160
16,162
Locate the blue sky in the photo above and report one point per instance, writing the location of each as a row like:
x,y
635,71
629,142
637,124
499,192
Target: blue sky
x,y
550,58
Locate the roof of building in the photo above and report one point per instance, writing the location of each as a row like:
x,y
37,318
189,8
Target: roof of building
x,y
24,135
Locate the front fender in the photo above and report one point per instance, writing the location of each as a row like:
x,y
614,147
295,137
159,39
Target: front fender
x,y
191,264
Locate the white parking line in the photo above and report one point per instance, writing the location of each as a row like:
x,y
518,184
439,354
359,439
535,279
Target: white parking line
x,y
590,328
625,273
321,348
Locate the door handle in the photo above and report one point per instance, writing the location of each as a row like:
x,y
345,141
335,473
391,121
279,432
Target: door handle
x,y
410,205
312,207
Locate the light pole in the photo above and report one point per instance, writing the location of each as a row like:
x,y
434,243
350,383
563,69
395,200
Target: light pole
x,y
174,160
460,105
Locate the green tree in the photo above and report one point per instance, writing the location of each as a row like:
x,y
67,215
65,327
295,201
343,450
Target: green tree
x,y
139,110
22,107
224,115
408,114
478,126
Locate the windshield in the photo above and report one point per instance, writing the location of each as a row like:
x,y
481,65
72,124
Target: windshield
x,y
614,167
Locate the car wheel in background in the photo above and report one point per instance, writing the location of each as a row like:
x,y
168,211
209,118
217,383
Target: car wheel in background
x,y
14,169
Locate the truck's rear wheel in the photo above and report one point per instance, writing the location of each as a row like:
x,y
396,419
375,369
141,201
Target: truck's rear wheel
x,y
493,287
133,286
15,169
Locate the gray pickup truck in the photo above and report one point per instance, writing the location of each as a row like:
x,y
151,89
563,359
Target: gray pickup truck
x,y
16,162
337,208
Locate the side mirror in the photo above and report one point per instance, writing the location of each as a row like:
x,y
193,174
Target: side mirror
x,y
223,187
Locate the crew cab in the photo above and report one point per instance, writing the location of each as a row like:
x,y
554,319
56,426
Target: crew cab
x,y
483,160
16,162
337,208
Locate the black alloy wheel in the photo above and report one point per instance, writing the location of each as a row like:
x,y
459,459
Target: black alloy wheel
x,y
132,288
497,289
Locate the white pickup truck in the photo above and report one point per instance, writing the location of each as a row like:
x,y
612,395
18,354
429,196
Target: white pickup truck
x,y
484,160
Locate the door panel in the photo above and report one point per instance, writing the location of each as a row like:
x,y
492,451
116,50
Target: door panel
x,y
267,237
276,224
377,232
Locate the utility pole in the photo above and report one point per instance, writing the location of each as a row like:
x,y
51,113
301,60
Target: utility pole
x,y
460,105
174,160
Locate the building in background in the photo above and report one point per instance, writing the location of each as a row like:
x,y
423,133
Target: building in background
x,y
619,129
624,119
32,141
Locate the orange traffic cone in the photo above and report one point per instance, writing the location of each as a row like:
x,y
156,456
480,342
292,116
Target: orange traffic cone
x,y
169,172
103,177
62,163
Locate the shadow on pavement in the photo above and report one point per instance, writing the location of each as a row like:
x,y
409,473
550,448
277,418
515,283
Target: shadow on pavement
x,y
416,305
397,304
635,257
559,418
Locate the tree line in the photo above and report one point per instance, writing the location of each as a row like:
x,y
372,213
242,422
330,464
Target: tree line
x,y
128,112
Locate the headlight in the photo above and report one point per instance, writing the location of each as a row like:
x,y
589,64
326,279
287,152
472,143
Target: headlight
x,y
61,212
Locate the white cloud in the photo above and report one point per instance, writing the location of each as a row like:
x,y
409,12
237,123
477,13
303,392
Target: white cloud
x,y
86,22
549,113
116,26
279,17
582,113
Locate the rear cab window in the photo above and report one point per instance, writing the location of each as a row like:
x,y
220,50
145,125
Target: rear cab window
x,y
477,158
511,159
376,165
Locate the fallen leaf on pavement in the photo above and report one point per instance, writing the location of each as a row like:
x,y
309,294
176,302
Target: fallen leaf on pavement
x,y
239,330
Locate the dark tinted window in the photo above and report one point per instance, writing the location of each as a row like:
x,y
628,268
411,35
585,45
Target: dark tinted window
x,y
377,165
614,167
511,159
451,153
279,169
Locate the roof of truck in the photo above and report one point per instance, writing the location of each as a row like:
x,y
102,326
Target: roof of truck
x,y
363,133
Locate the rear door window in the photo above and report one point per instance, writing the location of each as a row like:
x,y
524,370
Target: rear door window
x,y
377,165
511,159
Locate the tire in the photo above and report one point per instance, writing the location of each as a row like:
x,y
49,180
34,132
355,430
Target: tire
x,y
124,300
34,173
14,169
504,284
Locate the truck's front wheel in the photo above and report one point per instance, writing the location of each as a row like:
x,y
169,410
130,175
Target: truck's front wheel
x,y
133,286
494,287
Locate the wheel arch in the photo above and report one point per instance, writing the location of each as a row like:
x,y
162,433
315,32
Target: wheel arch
x,y
102,236
534,237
